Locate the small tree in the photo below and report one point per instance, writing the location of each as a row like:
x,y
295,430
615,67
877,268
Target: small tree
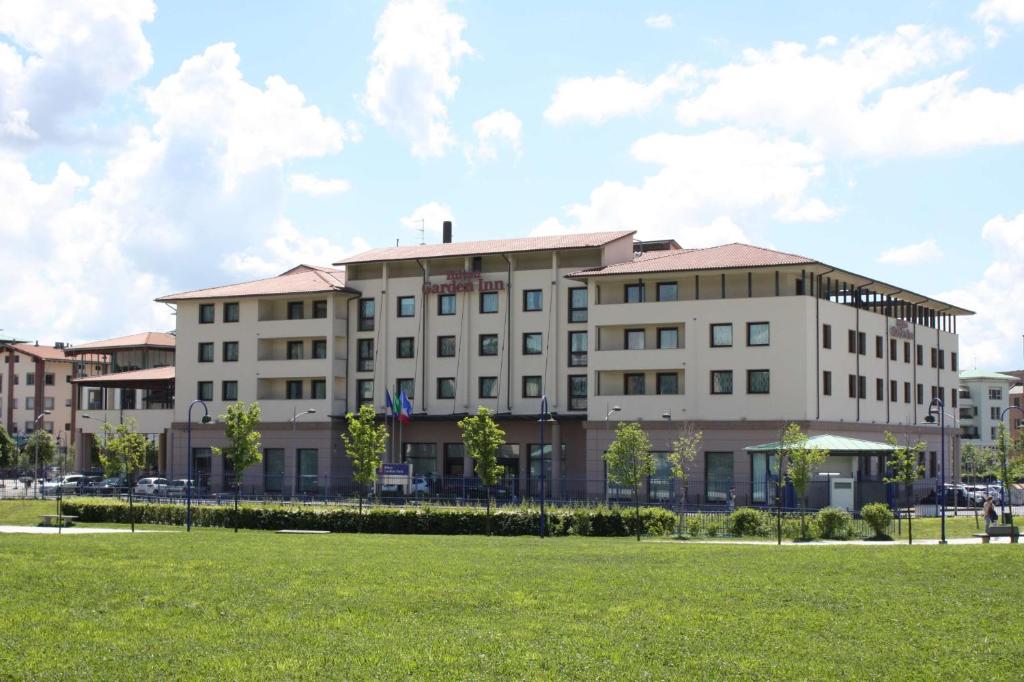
x,y
246,449
124,451
8,450
365,442
906,469
802,463
684,451
630,461
483,438
39,449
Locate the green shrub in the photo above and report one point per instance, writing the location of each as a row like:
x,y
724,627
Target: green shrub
x,y
592,521
878,516
750,521
834,524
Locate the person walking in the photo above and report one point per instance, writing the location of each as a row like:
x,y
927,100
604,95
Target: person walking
x,y
988,510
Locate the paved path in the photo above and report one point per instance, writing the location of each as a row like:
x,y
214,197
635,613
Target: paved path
x,y
73,530
832,543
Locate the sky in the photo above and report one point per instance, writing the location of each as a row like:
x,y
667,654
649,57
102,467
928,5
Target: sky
x,y
152,148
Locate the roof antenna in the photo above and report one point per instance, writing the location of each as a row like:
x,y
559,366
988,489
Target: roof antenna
x,y
423,232
396,242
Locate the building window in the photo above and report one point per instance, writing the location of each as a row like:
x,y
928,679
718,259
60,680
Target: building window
x,y
879,389
364,392
531,387
367,311
826,336
48,402
231,312
205,313
205,390
446,346
488,344
30,377
307,469
862,387
454,459
489,302
273,470
30,403
758,381
229,390
364,355
851,341
826,382
318,389
634,339
721,381
229,351
633,293
942,359
892,350
319,347
894,391
906,392
293,389
668,337
995,394
721,335
717,476
758,334
533,343
577,349
48,380
488,387
906,352
406,306
668,291
862,343
446,304
205,352
667,383
446,388
577,392
407,386
920,355
422,457
533,300
920,394
953,397
633,384
935,357
405,347
578,304
295,349
852,385
953,363
296,310
319,310
879,347
993,412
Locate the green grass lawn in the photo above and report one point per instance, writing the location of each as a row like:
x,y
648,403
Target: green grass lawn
x,y
214,604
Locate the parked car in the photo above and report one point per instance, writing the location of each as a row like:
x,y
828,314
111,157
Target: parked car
x,y
151,486
179,487
108,486
68,484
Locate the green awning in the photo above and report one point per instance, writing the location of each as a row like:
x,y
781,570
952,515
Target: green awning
x,y
836,445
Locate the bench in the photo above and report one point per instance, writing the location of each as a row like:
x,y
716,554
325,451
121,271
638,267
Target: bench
x,y
55,520
1000,531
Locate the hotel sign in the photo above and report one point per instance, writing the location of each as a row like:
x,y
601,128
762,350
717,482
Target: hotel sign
x,y
901,329
457,281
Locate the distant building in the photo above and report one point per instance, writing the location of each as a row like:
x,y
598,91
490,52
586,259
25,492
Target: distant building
x,y
983,397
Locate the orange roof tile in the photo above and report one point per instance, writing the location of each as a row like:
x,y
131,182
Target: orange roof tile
x,y
489,246
154,374
153,339
42,352
302,279
713,258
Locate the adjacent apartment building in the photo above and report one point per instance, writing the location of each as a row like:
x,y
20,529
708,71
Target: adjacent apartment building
x,y
984,399
734,341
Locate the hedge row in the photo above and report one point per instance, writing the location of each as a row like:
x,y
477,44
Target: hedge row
x,y
592,521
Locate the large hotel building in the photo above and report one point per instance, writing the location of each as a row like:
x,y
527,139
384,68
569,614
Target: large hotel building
x,y
735,341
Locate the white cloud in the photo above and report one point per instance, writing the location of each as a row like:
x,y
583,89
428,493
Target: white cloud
x,y
991,339
827,41
705,183
316,187
286,248
64,57
596,99
498,127
856,103
927,251
429,217
418,44
994,14
659,21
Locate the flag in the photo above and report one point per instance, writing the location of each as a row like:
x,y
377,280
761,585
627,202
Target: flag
x,y
405,413
396,405
388,404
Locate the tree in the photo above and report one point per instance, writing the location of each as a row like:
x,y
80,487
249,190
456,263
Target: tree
x,y
8,450
365,442
802,463
483,438
124,451
40,448
906,469
684,451
245,450
630,461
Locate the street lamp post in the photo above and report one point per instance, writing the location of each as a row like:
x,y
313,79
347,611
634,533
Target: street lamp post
x,y
936,407
611,411
295,418
545,416
1006,480
188,487
60,492
36,472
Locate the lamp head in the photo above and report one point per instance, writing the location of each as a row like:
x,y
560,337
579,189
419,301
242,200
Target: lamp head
x,y
206,419
930,418
310,411
666,415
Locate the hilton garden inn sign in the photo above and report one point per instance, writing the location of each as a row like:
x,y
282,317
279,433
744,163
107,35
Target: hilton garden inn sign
x,y
457,281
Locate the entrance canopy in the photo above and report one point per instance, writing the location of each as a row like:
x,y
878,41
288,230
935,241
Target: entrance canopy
x,y
836,445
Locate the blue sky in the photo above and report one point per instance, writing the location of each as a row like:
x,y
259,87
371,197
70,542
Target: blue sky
x,y
151,148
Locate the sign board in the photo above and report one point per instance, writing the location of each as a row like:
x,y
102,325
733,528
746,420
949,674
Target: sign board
x,y
393,469
901,329
457,281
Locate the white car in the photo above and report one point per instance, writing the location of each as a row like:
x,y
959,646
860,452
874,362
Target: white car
x,y
68,484
151,486
179,487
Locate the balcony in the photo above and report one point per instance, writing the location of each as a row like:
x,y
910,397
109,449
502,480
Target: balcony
x,y
667,359
147,421
293,369
293,329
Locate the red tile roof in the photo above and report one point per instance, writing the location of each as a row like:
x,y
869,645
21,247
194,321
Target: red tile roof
x,y
41,352
712,258
151,339
302,279
489,246
155,374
